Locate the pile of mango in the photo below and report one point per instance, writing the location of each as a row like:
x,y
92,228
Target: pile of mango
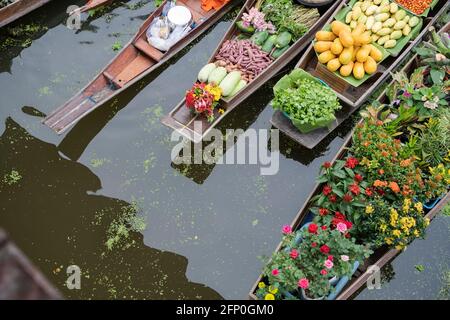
x,y
385,21
346,50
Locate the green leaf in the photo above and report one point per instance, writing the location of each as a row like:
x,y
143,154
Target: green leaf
x,y
437,76
339,173
350,172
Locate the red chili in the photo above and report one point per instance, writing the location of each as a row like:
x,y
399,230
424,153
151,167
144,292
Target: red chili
x,y
415,6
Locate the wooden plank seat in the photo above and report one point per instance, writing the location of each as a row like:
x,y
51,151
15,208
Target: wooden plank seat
x,y
146,48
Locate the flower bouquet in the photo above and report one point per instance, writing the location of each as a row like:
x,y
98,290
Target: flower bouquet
x,y
202,98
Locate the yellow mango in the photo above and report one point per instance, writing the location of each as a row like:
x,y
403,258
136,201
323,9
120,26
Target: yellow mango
x,y
370,66
346,56
376,54
363,53
360,28
336,47
322,46
337,27
346,38
333,65
325,36
346,70
358,70
326,56
362,39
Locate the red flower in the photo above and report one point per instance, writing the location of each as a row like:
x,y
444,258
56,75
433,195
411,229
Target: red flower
x,y
325,249
323,227
330,258
332,198
327,190
312,228
369,192
314,244
381,171
381,192
351,163
348,224
327,164
323,272
294,254
323,211
339,215
358,177
347,235
190,99
354,188
347,198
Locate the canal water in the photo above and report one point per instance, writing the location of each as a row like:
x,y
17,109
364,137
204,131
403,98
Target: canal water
x,y
106,196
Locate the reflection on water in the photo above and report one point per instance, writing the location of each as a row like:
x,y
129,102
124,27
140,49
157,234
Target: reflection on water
x,y
46,222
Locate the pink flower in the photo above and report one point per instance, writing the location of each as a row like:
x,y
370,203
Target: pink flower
x,y
342,227
345,258
294,254
328,264
323,272
287,229
275,272
303,283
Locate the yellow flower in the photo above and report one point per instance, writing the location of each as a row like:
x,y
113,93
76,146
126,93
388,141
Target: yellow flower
x,y
215,91
261,285
388,241
396,233
383,227
269,296
419,207
416,233
273,290
427,222
221,111
369,209
399,247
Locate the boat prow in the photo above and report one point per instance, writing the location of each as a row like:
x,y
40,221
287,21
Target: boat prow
x,y
18,9
134,62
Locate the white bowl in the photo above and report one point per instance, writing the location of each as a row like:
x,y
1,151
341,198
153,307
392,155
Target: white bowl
x,y
179,15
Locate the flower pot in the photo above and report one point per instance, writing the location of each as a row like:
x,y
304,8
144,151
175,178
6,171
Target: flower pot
x,y
333,281
431,204
305,296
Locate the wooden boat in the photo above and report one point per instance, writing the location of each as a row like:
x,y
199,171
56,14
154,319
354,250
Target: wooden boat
x,y
351,98
133,63
381,256
182,120
19,8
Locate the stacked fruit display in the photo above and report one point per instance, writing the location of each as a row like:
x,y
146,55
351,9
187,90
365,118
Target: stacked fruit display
x,y
350,52
385,21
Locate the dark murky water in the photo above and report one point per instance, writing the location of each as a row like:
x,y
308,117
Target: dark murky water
x,y
205,226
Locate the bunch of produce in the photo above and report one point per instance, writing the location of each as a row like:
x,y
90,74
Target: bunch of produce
x,y
385,22
202,98
350,52
229,81
305,100
245,56
287,16
415,6
255,20
4,3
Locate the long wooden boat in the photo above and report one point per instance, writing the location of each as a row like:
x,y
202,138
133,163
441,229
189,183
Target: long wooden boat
x,y
351,98
19,8
380,257
134,62
182,120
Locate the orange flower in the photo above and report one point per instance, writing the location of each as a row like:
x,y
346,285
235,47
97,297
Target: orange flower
x,y
394,187
384,153
405,163
379,183
381,171
366,144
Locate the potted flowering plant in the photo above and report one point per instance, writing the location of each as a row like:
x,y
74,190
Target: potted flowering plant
x,y
344,190
202,98
305,265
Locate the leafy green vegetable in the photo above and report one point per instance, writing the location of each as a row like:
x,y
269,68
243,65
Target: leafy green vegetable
x,y
307,102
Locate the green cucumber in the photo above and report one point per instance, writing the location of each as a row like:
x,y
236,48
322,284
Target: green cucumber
x,y
269,43
240,25
283,39
259,37
278,52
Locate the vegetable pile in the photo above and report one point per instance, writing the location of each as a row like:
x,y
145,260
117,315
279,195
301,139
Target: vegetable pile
x,y
305,100
245,56
415,6
350,52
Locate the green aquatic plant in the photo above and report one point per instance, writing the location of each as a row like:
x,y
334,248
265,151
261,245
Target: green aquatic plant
x,y
444,293
120,228
12,178
117,45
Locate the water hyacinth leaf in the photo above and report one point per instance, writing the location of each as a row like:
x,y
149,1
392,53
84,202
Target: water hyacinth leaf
x,y
437,76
